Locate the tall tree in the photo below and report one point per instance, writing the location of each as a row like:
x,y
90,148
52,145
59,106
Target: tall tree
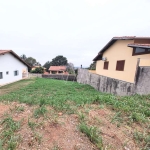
x,y
59,61
31,61
47,65
70,68
23,57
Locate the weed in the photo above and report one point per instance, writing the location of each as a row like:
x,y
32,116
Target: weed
x,y
117,118
142,139
31,124
10,140
19,108
56,147
136,107
81,117
12,143
38,137
9,123
41,111
137,117
42,102
92,133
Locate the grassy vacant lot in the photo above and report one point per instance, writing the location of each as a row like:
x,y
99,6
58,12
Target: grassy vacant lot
x,y
53,114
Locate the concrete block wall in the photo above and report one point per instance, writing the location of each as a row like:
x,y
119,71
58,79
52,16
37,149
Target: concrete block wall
x,y
143,81
117,87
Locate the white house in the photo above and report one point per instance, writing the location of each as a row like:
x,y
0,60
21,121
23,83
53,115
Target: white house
x,y
12,67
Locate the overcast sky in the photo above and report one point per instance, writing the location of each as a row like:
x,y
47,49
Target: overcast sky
x,y
76,29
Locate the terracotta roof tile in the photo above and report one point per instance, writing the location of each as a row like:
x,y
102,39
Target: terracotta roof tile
x,y
57,68
4,51
15,55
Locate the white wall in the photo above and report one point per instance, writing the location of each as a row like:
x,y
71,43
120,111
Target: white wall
x,y
10,63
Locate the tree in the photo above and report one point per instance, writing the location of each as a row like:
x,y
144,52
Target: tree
x,y
93,66
38,70
31,61
47,65
23,57
70,68
59,61
37,64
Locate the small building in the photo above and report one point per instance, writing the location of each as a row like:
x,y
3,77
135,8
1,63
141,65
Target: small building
x,y
12,67
121,56
58,69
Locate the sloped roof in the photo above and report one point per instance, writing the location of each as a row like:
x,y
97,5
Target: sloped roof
x,y
2,52
57,68
112,41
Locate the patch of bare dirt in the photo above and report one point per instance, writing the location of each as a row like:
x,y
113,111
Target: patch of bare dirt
x,y
3,108
60,130
47,134
115,138
66,135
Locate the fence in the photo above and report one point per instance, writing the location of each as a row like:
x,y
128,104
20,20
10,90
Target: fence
x,y
60,77
115,86
35,75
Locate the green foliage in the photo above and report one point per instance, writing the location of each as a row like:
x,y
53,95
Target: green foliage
x,y
142,139
31,124
9,139
40,111
57,93
70,68
59,61
31,61
92,66
38,70
47,65
23,57
93,134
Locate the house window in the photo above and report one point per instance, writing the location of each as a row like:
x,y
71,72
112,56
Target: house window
x,y
140,51
1,75
16,73
120,65
7,72
106,63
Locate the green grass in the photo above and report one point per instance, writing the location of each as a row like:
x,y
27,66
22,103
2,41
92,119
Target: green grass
x,y
142,139
41,111
9,139
70,97
58,93
93,134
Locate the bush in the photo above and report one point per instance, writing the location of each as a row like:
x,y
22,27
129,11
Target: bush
x,y
38,70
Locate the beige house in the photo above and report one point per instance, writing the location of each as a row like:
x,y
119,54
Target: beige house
x,y
58,69
121,56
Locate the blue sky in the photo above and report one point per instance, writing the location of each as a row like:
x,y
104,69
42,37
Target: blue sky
x,y
76,29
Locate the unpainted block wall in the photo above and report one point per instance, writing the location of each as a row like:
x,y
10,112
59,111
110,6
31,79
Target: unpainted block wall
x,y
143,81
105,84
